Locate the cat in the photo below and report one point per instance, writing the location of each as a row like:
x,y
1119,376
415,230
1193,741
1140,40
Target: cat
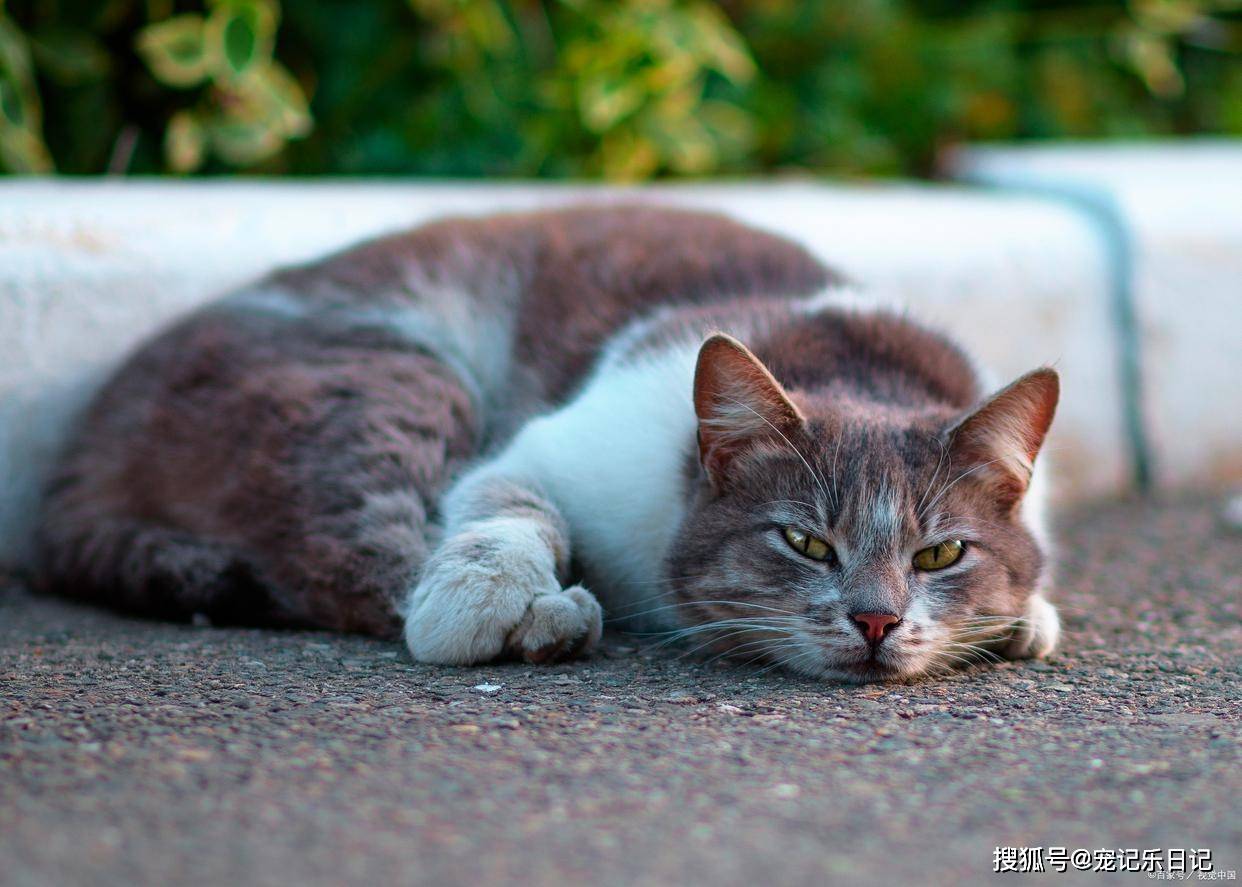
x,y
476,433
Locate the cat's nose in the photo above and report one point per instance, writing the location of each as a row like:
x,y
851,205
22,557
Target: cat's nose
x,y
875,626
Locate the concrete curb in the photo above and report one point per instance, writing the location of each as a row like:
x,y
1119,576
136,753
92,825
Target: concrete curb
x,y
1169,220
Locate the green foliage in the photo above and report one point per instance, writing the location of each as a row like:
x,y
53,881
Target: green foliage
x,y
619,89
249,104
21,144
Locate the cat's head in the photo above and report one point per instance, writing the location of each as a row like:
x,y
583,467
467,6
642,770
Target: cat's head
x,y
853,537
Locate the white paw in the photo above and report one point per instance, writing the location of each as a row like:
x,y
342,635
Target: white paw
x,y
1037,634
493,589
558,626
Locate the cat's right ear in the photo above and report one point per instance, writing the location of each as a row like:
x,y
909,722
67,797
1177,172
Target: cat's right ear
x,y
738,403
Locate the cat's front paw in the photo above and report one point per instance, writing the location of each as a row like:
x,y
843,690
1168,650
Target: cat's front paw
x,y
557,626
493,590
1037,634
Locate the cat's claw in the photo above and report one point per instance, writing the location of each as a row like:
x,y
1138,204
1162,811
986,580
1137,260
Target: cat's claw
x,y
1036,636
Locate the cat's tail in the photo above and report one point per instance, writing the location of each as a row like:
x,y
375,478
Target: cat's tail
x,y
152,570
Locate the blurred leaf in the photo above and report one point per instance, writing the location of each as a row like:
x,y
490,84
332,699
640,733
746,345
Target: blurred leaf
x,y
21,143
606,100
256,115
288,101
732,127
22,151
240,34
271,95
185,142
176,50
15,66
625,157
243,142
11,111
722,47
688,146
1152,59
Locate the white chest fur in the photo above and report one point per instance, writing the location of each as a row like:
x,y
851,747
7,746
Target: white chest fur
x,y
613,460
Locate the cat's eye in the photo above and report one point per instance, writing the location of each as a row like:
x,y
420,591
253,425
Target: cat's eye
x,y
939,556
804,543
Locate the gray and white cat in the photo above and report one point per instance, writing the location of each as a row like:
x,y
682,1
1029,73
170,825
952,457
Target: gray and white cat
x,y
478,432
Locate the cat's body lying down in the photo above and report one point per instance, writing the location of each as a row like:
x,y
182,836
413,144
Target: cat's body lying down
x,y
440,431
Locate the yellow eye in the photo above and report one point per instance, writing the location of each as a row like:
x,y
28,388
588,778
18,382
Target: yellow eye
x,y
938,556
815,549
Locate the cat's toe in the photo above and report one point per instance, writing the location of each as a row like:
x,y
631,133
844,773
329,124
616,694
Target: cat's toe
x,y
1037,634
558,627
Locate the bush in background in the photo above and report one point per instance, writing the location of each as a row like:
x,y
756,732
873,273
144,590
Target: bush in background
x,y
620,89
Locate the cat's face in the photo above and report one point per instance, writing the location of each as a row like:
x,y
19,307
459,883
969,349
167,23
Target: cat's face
x,y
852,542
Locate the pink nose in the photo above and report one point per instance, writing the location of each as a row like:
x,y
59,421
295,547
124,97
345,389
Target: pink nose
x,y
875,626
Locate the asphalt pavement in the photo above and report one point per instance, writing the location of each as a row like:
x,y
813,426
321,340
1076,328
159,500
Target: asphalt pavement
x,y
136,752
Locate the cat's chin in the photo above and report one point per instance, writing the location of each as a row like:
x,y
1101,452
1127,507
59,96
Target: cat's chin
x,y
869,671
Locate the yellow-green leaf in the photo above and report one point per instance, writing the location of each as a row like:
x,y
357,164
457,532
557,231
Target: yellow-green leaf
x,y
22,151
625,157
14,55
266,99
176,50
724,48
606,100
185,142
21,144
1153,59
285,100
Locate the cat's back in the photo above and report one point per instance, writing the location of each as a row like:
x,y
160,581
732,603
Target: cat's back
x,y
535,296
516,308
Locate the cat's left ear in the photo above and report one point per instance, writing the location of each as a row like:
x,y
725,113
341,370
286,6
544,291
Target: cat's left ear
x,y
739,403
1002,437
